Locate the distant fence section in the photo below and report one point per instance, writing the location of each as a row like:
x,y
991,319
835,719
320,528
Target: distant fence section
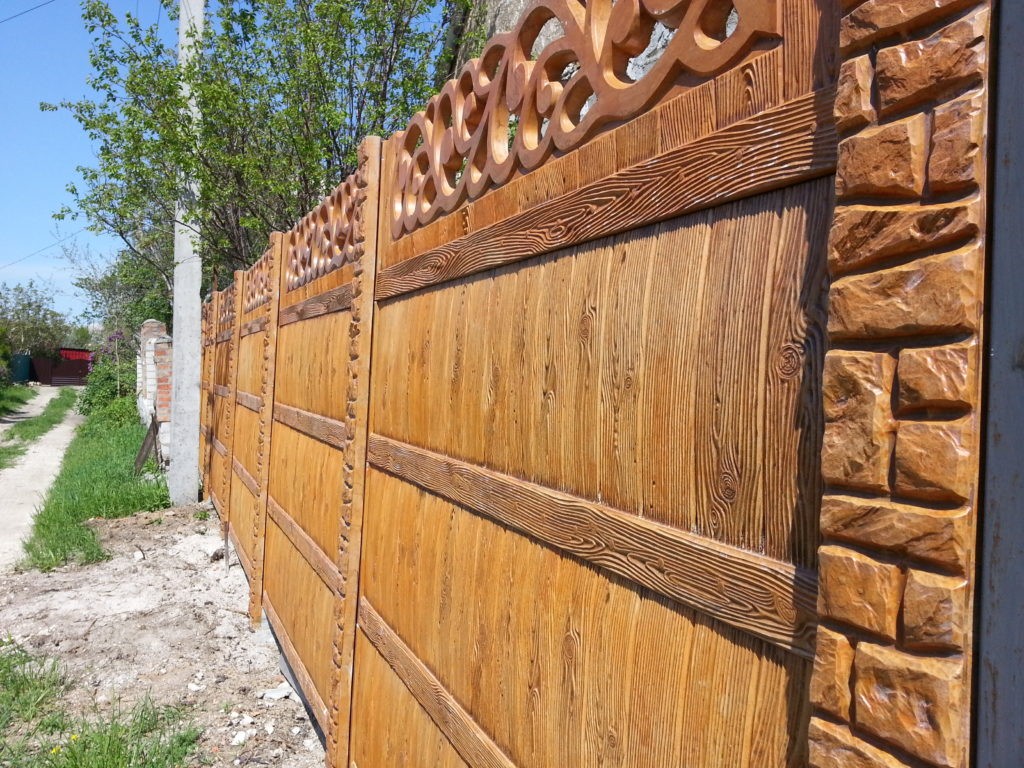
x,y
595,421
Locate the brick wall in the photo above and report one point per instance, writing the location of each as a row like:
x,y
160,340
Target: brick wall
x,y
891,682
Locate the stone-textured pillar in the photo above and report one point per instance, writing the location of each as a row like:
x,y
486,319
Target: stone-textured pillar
x,y
892,678
145,383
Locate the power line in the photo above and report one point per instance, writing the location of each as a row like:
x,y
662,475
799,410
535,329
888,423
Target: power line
x,y
27,10
36,253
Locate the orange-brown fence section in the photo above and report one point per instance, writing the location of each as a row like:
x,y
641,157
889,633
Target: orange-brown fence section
x,y
523,434
591,511
220,345
289,389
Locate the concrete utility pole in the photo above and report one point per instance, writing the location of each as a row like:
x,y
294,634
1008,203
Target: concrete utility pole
x,y
183,475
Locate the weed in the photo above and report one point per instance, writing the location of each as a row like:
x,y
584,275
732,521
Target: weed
x,y
28,686
96,479
202,515
146,736
36,732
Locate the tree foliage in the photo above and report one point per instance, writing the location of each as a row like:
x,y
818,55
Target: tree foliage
x,y
28,322
124,291
285,90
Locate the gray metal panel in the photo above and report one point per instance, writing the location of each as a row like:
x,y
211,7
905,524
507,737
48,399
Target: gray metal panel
x,y
999,697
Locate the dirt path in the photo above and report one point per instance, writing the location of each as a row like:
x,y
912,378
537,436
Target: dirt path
x,y
164,617
23,485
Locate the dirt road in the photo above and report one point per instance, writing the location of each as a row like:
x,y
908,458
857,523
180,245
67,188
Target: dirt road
x,y
164,617
23,485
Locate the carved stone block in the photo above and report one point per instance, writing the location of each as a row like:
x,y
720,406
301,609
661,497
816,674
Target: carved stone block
x,y
936,294
887,160
910,701
934,611
858,421
933,460
930,535
853,107
938,377
862,234
877,18
914,72
833,746
957,160
830,684
858,590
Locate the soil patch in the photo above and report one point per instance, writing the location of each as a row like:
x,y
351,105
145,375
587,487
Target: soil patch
x,y
165,617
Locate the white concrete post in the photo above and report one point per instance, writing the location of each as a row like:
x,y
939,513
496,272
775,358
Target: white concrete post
x,y
183,474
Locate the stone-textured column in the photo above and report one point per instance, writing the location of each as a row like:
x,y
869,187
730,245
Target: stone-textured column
x,y
891,682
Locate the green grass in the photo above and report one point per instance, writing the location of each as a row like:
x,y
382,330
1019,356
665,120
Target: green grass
x,y
14,397
96,479
19,435
28,686
36,731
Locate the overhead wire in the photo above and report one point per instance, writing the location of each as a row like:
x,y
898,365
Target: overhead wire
x,y
45,248
27,10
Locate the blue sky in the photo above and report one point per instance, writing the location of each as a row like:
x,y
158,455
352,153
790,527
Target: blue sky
x,y
44,56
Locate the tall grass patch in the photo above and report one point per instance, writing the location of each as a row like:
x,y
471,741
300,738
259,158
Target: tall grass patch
x,y
96,479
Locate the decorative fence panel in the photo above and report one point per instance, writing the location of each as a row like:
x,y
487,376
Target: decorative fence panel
x,y
222,398
253,411
625,479
592,504
311,546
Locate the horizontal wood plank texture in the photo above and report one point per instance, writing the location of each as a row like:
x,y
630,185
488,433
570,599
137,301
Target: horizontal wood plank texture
x,y
257,325
775,149
465,735
322,428
335,300
250,401
769,599
248,480
316,557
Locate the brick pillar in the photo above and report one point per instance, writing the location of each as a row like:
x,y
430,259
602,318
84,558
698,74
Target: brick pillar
x,y
891,681
162,364
162,350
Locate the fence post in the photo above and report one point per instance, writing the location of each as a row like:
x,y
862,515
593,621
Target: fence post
x,y
259,533
206,411
229,404
354,468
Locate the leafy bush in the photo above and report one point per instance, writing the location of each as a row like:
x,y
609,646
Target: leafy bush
x,y
118,413
108,380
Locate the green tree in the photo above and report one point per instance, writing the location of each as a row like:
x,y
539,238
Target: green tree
x,y
124,291
286,89
31,324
